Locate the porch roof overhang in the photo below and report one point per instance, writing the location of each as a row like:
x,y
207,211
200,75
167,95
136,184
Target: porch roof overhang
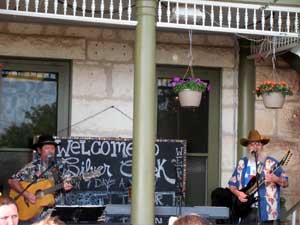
x,y
242,19
201,15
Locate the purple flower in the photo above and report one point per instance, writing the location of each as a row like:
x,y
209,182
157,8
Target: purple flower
x,y
176,79
173,84
209,87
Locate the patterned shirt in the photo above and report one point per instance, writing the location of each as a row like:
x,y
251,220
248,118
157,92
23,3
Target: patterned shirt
x,y
269,193
36,170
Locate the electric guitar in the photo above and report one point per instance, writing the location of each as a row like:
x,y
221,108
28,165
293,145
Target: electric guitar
x,y
242,209
44,191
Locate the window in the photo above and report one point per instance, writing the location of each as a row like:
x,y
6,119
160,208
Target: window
x,y
34,99
28,106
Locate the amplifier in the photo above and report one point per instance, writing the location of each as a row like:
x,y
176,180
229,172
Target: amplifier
x,y
79,213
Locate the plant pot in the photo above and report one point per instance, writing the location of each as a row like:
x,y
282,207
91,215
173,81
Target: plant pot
x,y
189,98
273,100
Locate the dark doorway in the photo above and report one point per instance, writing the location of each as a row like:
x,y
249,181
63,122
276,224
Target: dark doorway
x,y
198,126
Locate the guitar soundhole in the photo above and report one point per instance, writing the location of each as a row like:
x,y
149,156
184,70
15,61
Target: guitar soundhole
x,y
26,202
39,194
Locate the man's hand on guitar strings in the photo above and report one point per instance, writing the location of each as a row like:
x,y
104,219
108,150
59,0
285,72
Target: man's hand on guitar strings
x,y
242,196
29,197
272,178
67,185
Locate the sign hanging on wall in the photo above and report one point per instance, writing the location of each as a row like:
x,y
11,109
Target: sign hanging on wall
x,y
113,158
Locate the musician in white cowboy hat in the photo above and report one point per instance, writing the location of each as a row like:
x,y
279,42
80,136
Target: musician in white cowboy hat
x,y
253,166
42,167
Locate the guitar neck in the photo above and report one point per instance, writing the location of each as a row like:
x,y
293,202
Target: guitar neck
x,y
86,176
59,186
53,189
261,181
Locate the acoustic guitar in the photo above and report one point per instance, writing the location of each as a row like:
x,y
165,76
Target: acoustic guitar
x,y
44,191
242,209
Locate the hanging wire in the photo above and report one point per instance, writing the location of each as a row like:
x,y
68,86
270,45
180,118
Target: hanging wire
x,y
263,44
190,57
92,116
191,48
274,72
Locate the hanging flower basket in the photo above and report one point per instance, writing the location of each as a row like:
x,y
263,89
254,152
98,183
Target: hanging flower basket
x,y
273,93
273,100
189,90
189,98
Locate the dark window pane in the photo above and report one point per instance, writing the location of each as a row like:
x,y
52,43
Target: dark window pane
x,y
193,124
12,162
196,180
28,106
167,111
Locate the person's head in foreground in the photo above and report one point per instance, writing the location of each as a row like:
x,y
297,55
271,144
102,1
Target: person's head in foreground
x,y
50,221
8,211
192,219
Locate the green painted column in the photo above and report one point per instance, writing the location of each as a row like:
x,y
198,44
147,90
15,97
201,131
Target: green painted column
x,y
145,115
246,110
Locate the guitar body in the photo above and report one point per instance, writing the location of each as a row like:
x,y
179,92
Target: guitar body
x,y
242,209
43,190
27,210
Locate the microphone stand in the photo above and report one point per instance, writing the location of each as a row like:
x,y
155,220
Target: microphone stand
x,y
52,163
258,194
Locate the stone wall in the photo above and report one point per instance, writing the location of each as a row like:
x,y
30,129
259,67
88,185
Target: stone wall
x,y
281,125
102,66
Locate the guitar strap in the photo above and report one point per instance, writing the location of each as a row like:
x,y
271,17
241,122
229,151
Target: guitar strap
x,y
56,175
33,182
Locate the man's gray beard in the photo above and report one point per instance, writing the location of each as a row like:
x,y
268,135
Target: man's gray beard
x,y
261,155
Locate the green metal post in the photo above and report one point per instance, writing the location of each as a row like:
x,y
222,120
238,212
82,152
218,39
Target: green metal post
x,y
246,108
145,115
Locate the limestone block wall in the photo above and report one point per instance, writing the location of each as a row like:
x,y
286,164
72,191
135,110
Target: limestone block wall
x,y
229,123
282,126
102,73
102,66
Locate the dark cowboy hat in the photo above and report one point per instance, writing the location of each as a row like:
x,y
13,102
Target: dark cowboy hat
x,y
254,136
44,140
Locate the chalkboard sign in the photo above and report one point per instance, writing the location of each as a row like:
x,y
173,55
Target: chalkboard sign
x,y
113,158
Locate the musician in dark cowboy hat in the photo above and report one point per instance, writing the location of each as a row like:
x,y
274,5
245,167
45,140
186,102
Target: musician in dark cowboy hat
x,y
257,165
41,173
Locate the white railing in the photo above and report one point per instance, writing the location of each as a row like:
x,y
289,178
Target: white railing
x,y
262,47
213,16
94,11
293,215
255,19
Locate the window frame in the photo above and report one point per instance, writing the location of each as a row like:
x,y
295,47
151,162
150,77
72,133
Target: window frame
x,y
63,68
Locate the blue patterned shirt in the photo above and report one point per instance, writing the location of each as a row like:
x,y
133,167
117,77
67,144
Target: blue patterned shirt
x,y
269,193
